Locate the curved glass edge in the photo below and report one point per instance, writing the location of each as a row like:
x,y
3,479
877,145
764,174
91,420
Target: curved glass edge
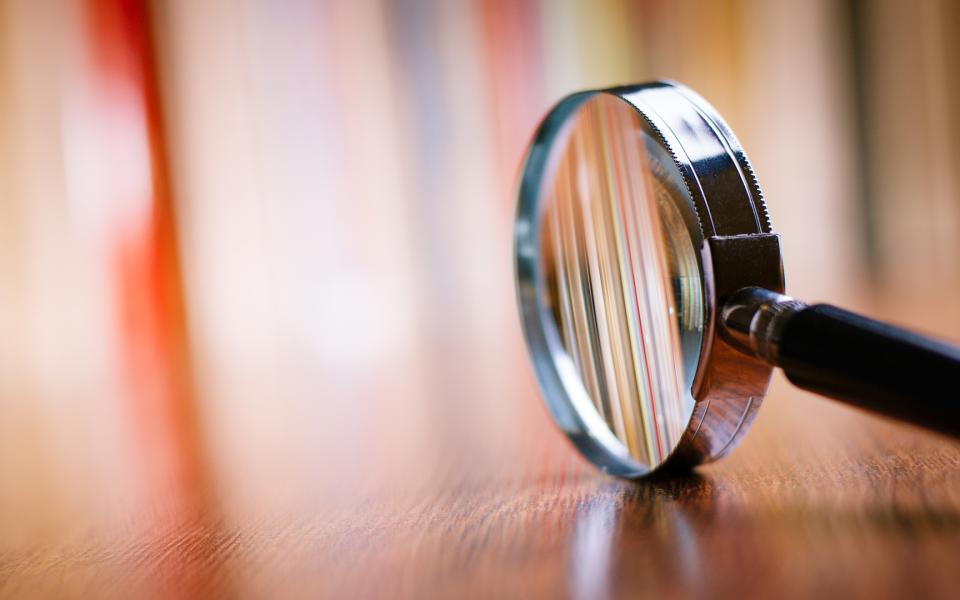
x,y
565,396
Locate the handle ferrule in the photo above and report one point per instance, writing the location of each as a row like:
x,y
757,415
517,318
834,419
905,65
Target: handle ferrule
x,y
850,358
753,320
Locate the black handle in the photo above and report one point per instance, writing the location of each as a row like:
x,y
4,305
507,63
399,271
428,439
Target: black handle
x,y
873,365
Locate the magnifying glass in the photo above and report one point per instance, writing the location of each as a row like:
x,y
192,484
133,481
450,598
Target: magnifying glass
x,y
651,290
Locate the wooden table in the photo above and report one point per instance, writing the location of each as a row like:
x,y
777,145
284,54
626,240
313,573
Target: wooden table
x,y
820,501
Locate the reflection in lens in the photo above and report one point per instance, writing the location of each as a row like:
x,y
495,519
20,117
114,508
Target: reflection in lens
x,y
621,273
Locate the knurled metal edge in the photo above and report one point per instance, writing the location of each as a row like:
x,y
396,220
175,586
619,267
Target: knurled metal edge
x,y
679,165
647,113
746,168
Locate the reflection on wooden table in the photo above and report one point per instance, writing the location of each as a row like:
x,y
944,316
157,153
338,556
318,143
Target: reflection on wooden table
x,y
819,501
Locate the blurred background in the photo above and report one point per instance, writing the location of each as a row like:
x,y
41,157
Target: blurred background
x,y
256,256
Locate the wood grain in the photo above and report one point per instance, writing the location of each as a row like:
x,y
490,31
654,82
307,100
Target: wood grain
x,y
820,501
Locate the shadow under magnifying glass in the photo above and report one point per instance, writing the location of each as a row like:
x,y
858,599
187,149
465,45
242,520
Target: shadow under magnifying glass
x,y
628,530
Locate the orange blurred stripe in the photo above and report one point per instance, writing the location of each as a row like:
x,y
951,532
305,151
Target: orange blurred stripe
x,y
151,319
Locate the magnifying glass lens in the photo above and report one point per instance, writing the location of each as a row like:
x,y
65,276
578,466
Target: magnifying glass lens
x,y
621,275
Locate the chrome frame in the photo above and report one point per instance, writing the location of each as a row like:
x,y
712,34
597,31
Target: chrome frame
x,y
739,250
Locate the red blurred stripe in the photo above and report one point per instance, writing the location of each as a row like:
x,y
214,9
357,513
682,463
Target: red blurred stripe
x,y
144,251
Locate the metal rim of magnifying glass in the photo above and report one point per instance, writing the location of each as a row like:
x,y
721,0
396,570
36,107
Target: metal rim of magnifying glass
x,y
739,250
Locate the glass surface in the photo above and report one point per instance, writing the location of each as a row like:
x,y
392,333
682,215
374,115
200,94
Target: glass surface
x,y
621,274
